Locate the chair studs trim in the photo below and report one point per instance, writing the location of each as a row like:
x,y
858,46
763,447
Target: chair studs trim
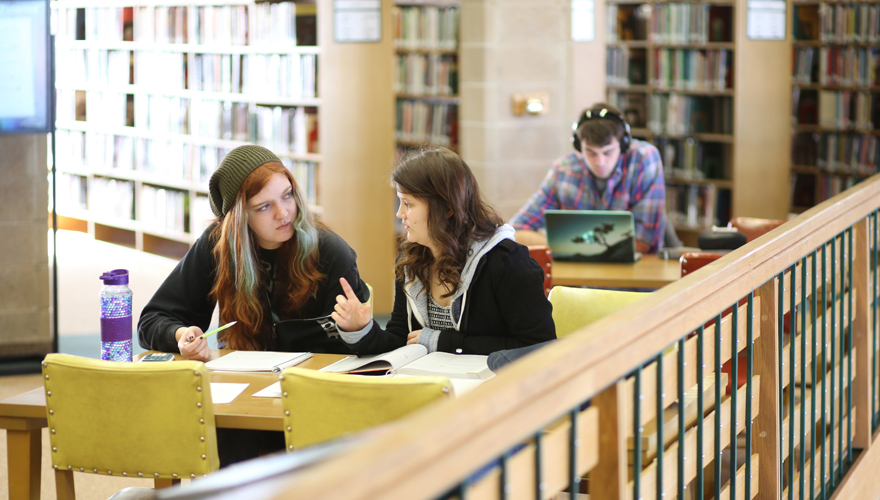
x,y
95,471
52,431
290,447
54,449
204,457
125,474
199,388
82,469
287,413
288,428
44,364
47,376
56,467
198,405
140,474
284,394
69,467
446,390
193,476
48,394
51,412
109,472
197,373
174,475
202,438
156,474
201,420
280,377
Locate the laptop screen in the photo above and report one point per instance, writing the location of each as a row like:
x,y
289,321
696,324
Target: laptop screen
x,y
591,235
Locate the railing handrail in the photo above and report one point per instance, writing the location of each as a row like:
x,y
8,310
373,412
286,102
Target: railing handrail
x,y
431,451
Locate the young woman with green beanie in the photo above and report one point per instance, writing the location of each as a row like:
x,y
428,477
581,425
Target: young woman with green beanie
x,y
268,264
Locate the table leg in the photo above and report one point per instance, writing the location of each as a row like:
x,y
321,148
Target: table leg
x,y
23,455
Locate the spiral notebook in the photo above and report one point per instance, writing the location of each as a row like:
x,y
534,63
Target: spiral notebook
x,y
257,361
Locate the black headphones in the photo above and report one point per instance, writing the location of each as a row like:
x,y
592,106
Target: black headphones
x,y
606,114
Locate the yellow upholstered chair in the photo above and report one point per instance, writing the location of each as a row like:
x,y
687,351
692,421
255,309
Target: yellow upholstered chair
x,y
369,301
574,308
321,406
151,420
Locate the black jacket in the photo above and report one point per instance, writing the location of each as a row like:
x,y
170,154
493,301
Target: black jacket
x,y
184,300
504,308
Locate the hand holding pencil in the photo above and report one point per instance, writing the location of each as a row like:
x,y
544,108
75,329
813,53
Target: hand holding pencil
x,y
192,344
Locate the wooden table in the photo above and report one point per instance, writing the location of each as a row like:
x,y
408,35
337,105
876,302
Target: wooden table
x,y
649,272
24,417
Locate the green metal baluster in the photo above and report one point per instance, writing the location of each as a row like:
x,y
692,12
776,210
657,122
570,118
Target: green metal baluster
x,y
792,361
749,373
780,332
681,414
539,476
701,483
637,433
849,359
874,309
814,379
660,421
842,352
503,478
803,310
573,443
717,454
734,385
825,456
833,342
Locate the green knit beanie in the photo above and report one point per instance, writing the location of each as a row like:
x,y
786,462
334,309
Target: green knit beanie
x,y
233,170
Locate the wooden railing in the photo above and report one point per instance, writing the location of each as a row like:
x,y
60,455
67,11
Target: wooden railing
x,y
571,409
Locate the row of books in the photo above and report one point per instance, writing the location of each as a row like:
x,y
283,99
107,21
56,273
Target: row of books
x,y
159,112
427,122
678,114
692,205
172,76
294,75
426,74
692,159
625,66
170,24
849,23
105,24
162,209
283,129
71,193
692,69
843,66
847,109
842,153
111,197
832,185
94,65
108,108
690,23
426,27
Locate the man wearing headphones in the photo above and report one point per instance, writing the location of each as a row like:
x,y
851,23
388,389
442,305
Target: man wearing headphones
x,y
609,170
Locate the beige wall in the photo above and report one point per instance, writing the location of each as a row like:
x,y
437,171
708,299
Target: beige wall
x,y
521,46
24,266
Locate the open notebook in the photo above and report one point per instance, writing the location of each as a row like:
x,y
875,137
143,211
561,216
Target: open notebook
x,y
414,359
257,361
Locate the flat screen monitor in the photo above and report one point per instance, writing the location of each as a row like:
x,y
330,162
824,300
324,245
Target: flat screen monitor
x,y
25,104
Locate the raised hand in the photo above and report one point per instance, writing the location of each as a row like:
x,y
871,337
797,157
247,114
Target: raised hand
x,y
349,313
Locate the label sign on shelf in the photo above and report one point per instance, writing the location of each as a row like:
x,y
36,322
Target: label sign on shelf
x,y
583,20
765,20
357,20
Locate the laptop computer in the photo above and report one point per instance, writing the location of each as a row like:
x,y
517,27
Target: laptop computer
x,y
591,235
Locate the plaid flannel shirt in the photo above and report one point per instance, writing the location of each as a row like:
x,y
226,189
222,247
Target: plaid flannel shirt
x,y
635,185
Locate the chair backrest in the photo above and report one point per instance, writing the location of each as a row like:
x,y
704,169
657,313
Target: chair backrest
x,y
575,308
753,227
544,256
320,406
691,261
151,420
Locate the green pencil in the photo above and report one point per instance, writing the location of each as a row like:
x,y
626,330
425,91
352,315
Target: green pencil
x,y
212,332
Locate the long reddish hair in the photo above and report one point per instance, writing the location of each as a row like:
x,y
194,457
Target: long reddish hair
x,y
240,283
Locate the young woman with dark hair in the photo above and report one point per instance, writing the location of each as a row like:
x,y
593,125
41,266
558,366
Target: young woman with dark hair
x,y
462,284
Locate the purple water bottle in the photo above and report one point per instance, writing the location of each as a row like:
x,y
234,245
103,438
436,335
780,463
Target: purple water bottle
x,y
116,316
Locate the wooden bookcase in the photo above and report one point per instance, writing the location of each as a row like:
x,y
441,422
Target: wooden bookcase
x,y
683,74
152,95
426,72
835,106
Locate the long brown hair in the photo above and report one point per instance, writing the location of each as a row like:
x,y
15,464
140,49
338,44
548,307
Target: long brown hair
x,y
457,215
240,285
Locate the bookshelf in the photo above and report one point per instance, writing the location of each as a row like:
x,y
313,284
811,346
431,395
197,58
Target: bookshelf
x,y
683,74
835,107
426,72
152,95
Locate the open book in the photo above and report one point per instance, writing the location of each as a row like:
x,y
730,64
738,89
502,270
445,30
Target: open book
x,y
257,361
414,359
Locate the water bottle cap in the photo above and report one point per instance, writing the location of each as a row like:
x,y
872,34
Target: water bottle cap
x,y
115,277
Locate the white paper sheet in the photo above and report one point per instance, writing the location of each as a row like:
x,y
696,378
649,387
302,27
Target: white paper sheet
x,y
225,392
